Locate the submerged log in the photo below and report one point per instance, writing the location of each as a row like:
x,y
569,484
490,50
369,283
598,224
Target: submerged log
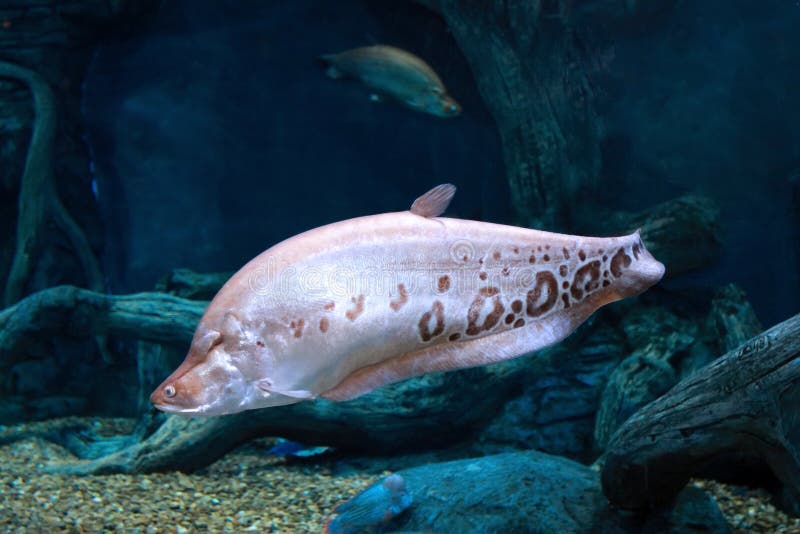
x,y
747,401
521,492
439,407
76,312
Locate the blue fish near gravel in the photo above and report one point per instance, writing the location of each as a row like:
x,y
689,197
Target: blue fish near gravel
x,y
371,508
292,449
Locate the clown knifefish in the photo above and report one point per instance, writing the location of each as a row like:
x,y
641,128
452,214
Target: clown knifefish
x,y
343,309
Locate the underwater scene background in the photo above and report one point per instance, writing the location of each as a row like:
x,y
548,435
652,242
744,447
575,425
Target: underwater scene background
x,y
151,148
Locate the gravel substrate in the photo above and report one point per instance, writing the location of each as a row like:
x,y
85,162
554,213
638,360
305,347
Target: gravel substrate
x,y
247,490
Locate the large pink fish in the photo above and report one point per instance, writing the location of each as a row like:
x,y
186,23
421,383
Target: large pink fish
x,y
340,310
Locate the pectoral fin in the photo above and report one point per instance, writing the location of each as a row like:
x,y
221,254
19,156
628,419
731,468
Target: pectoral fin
x,y
302,394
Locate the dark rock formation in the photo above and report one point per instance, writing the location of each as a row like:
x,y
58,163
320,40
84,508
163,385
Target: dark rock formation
x,y
732,318
746,401
535,492
555,412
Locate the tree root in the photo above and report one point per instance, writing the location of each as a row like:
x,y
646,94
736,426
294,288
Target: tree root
x,y
38,199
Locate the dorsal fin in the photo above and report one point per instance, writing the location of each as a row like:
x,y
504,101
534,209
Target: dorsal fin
x,y
434,202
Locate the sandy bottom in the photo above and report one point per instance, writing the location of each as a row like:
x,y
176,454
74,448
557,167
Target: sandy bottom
x,y
246,491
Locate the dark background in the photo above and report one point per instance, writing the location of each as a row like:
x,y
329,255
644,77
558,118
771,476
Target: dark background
x,y
215,135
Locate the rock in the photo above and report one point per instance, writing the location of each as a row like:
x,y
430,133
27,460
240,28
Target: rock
x,y
533,492
732,319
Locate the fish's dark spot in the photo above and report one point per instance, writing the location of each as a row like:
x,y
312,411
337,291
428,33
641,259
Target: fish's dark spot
x,y
539,248
444,283
635,251
581,255
510,318
547,247
454,336
298,327
260,343
480,261
532,259
482,275
357,310
492,318
565,299
519,322
565,284
600,251
605,258
605,274
562,270
565,252
516,250
619,262
398,303
546,257
516,306
496,255
506,271
329,306
545,283
323,324
606,283
586,277
437,312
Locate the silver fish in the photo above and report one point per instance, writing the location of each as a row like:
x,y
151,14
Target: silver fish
x,y
343,309
392,72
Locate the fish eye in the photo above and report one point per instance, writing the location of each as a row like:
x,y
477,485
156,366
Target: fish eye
x,y
169,391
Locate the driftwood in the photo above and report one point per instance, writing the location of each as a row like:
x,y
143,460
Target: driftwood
x,y
439,407
79,312
528,67
528,492
746,401
189,284
39,203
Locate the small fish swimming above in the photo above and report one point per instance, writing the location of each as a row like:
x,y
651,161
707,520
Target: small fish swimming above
x,y
343,309
396,74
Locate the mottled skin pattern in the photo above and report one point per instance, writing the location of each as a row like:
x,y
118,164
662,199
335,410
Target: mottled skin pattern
x,y
345,308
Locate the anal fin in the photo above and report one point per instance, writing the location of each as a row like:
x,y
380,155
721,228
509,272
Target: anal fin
x,y
470,353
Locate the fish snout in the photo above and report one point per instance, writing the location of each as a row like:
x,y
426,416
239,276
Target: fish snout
x,y
643,270
449,107
177,395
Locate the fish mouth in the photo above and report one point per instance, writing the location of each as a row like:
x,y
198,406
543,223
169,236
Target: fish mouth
x,y
168,408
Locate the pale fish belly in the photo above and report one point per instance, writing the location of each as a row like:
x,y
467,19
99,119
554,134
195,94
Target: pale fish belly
x,y
400,295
